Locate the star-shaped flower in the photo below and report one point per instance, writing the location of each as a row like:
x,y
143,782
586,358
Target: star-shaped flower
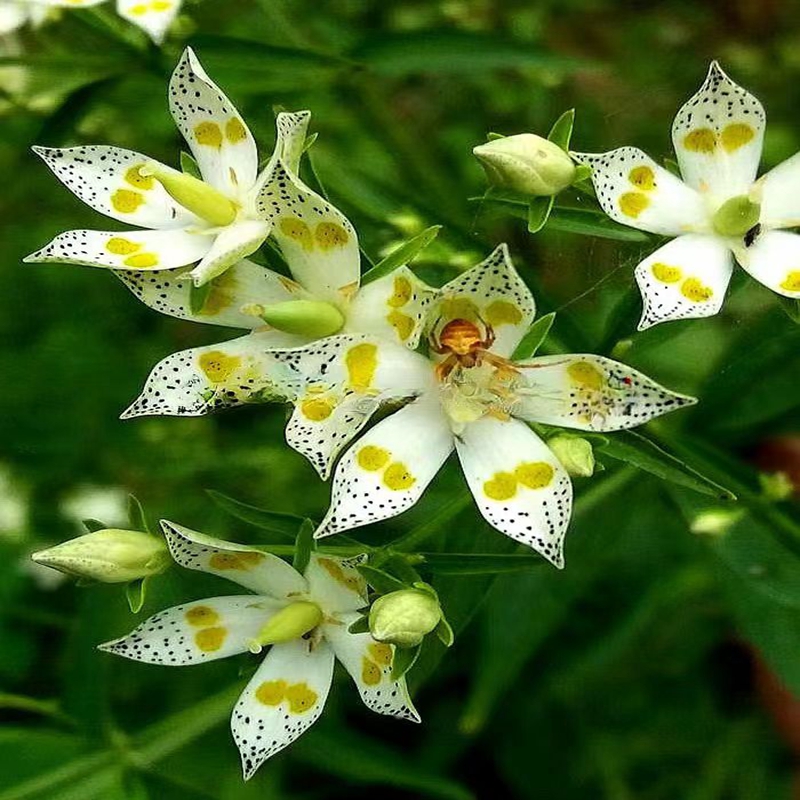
x,y
304,617
718,212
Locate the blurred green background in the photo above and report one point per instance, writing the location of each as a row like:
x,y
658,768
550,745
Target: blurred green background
x,y
653,667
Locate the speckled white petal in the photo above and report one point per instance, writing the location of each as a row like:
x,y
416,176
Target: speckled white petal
x,y
194,382
633,190
153,16
283,699
497,294
206,630
718,134
214,130
291,131
335,583
261,572
370,666
685,279
135,251
592,393
317,240
774,260
107,179
386,471
518,484
393,307
779,194
232,244
244,284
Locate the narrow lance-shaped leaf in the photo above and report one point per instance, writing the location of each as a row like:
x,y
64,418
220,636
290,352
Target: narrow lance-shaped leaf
x,y
304,545
285,525
381,581
534,337
404,254
479,563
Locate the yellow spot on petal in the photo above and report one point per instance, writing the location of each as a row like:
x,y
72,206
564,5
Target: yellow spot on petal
x,y
236,561
694,290
535,474
586,374
296,229
372,458
202,616
381,653
792,282
134,178
122,247
501,312
218,366
353,581
301,698
458,308
235,131
210,640
633,203
502,486
361,362
221,294
142,261
271,693
160,5
736,135
402,292
371,673
397,477
209,134
643,178
402,323
126,201
139,9
317,409
665,273
330,235
700,140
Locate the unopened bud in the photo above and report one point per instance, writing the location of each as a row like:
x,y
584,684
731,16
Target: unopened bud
x,y
735,217
526,163
404,617
193,194
575,454
291,622
109,556
307,317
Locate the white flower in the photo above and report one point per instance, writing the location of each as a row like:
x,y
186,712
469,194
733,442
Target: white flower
x,y
217,224
719,211
305,618
475,399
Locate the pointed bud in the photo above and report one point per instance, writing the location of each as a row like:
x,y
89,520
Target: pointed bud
x,y
575,455
291,622
404,617
526,163
109,556
193,194
736,216
306,317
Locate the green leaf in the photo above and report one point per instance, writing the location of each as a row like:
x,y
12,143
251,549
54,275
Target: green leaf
x,y
534,337
198,296
444,632
135,593
303,546
93,525
590,222
136,515
671,165
361,625
404,659
381,581
636,449
561,132
479,563
189,165
538,212
404,254
285,525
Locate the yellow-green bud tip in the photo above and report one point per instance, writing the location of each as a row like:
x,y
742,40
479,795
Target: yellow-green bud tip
x,y
575,455
109,556
526,163
735,217
306,317
404,617
291,622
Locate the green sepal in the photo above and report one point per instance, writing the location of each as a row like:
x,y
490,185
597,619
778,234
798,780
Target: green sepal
x,y
539,210
381,581
361,625
136,515
135,593
492,136
583,172
278,522
404,254
189,165
93,525
444,633
533,338
198,296
309,142
404,659
561,132
304,545
671,165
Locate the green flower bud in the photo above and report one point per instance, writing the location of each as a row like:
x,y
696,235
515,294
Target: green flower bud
x,y
776,486
193,194
526,163
291,622
109,556
736,216
308,317
575,454
715,522
404,617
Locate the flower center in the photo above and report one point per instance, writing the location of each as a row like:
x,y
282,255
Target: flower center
x,y
292,622
736,216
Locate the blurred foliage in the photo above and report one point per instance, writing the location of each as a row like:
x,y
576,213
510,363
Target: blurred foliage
x,y
630,674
